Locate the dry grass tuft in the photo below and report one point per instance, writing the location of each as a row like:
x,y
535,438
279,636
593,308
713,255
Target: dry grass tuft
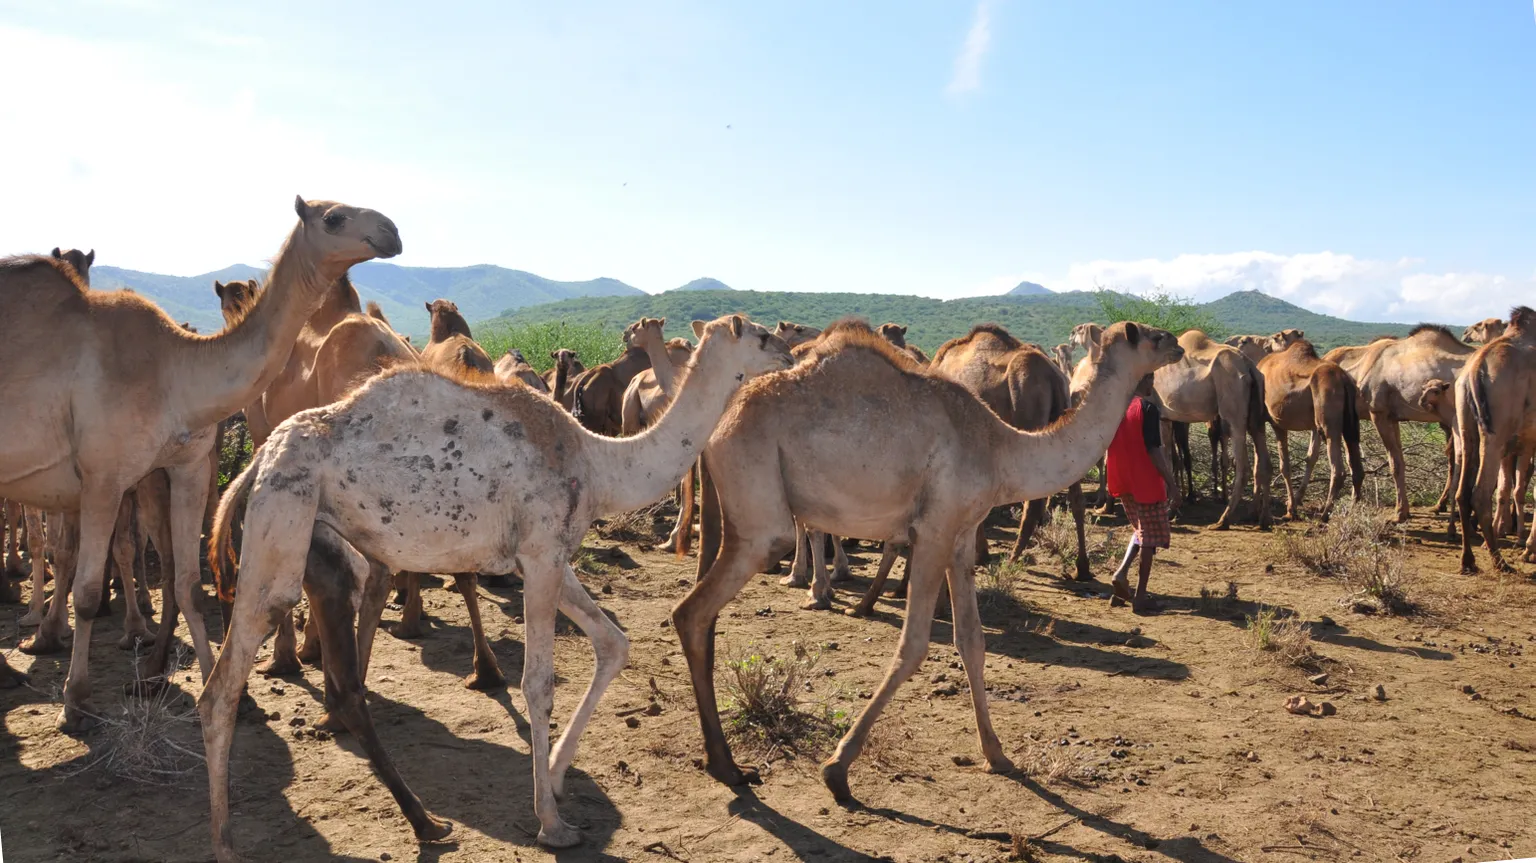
x,y
1056,538
149,740
997,585
1362,549
1051,764
1283,636
637,525
766,710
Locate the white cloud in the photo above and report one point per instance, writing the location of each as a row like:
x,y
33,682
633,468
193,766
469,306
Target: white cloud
x,y
1327,282
967,74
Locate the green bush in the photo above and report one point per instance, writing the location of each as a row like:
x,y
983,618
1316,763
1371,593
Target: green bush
x,y
595,344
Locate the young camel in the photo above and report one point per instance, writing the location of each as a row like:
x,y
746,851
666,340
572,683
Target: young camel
x,y
140,393
1087,336
944,461
568,367
794,334
1497,431
1216,384
1062,353
1303,392
896,334
1484,331
596,398
1390,375
338,348
514,366
523,483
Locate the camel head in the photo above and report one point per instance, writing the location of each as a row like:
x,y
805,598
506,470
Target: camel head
x,y
896,334
793,334
1084,335
344,235
679,351
446,320
81,261
1138,348
1434,398
235,298
564,357
1284,339
1485,330
187,325
736,343
1521,320
644,332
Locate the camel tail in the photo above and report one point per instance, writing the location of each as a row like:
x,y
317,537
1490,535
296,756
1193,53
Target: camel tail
x,y
221,541
685,513
1351,412
1480,404
1256,411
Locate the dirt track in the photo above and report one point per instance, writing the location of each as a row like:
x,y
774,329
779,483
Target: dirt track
x,y
1170,727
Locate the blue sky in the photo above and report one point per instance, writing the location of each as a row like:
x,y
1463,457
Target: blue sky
x,y
1370,159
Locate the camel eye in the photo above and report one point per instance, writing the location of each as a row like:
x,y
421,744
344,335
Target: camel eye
x,y
334,220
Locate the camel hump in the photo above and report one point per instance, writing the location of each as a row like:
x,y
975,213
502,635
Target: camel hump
x,y
375,312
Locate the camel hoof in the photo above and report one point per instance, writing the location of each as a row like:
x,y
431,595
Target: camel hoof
x,y
817,604
561,835
281,665
858,611
1000,765
409,631
10,678
130,640
792,581
309,655
31,618
435,830
329,722
76,719
1221,525
42,643
481,681
735,776
835,776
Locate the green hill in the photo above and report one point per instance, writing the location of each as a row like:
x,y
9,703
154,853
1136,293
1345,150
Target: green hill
x,y
1044,319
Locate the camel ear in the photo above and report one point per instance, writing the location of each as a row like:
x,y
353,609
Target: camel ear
x,y
57,253
300,207
784,325
736,324
698,328
218,288
1132,333
90,257
429,307
554,355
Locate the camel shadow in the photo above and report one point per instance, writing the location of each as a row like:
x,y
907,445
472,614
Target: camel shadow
x,y
1186,849
1339,635
801,840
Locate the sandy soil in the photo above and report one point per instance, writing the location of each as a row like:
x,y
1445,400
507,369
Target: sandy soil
x,y
1169,730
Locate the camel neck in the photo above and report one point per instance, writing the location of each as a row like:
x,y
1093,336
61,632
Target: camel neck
x,y
1035,464
627,473
235,366
661,366
339,301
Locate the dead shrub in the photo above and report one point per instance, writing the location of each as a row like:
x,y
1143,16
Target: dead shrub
x,y
1283,636
1056,538
637,525
997,585
1051,764
153,739
1362,549
766,710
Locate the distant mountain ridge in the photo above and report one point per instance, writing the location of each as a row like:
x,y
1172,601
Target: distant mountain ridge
x,y
705,284
481,291
1029,289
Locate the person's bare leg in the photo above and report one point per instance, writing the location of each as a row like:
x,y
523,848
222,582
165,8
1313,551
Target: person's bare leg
x,y
1143,604
1120,585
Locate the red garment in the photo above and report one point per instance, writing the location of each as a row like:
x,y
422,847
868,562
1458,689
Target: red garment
x,y
1128,463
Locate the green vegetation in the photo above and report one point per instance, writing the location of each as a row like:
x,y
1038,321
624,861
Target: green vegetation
x,y
1042,319
1160,309
594,343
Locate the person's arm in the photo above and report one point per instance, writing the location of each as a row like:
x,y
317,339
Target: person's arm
x,y
1152,436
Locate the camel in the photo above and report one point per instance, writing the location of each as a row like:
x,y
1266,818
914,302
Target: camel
x,y
1484,331
794,334
1304,392
1493,393
1087,336
517,483
338,347
1216,384
596,398
1391,375
896,334
100,424
1255,348
1062,353
513,366
568,367
1026,389
451,347
942,462
649,391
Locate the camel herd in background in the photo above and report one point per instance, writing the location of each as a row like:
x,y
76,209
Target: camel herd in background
x,y
376,462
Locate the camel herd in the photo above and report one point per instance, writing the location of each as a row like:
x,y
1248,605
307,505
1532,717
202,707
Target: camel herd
x,y
376,462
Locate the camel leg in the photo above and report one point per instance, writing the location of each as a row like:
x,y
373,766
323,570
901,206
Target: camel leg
x,y
1316,445
1518,492
1218,459
328,581
64,533
189,490
1034,513
153,495
285,656
1106,502
1075,502
1392,440
309,652
1488,469
800,574
1450,471
1239,442
12,527
371,610
682,532
971,643
1468,485
1283,444
842,571
10,678
542,589
888,552
1337,469
694,619
410,615
709,502
487,674
610,650
125,547
929,560
38,560
98,513
821,587
1452,482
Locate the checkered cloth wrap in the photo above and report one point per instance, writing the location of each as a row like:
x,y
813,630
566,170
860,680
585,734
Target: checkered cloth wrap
x,y
1150,521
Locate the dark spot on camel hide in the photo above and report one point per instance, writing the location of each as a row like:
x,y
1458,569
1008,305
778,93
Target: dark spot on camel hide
x,y
513,430
280,481
687,442
386,447
458,453
495,487
351,475
387,519
487,414
450,426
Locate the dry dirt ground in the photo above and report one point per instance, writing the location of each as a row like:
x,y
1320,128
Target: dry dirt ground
x,y
1137,738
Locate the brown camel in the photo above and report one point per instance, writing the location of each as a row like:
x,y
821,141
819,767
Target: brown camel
x,y
1484,331
1496,429
1062,353
1216,384
103,421
513,366
943,462
596,398
338,348
1390,375
648,392
451,349
896,334
529,480
1087,336
568,367
1255,348
1026,389
794,334
1304,392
